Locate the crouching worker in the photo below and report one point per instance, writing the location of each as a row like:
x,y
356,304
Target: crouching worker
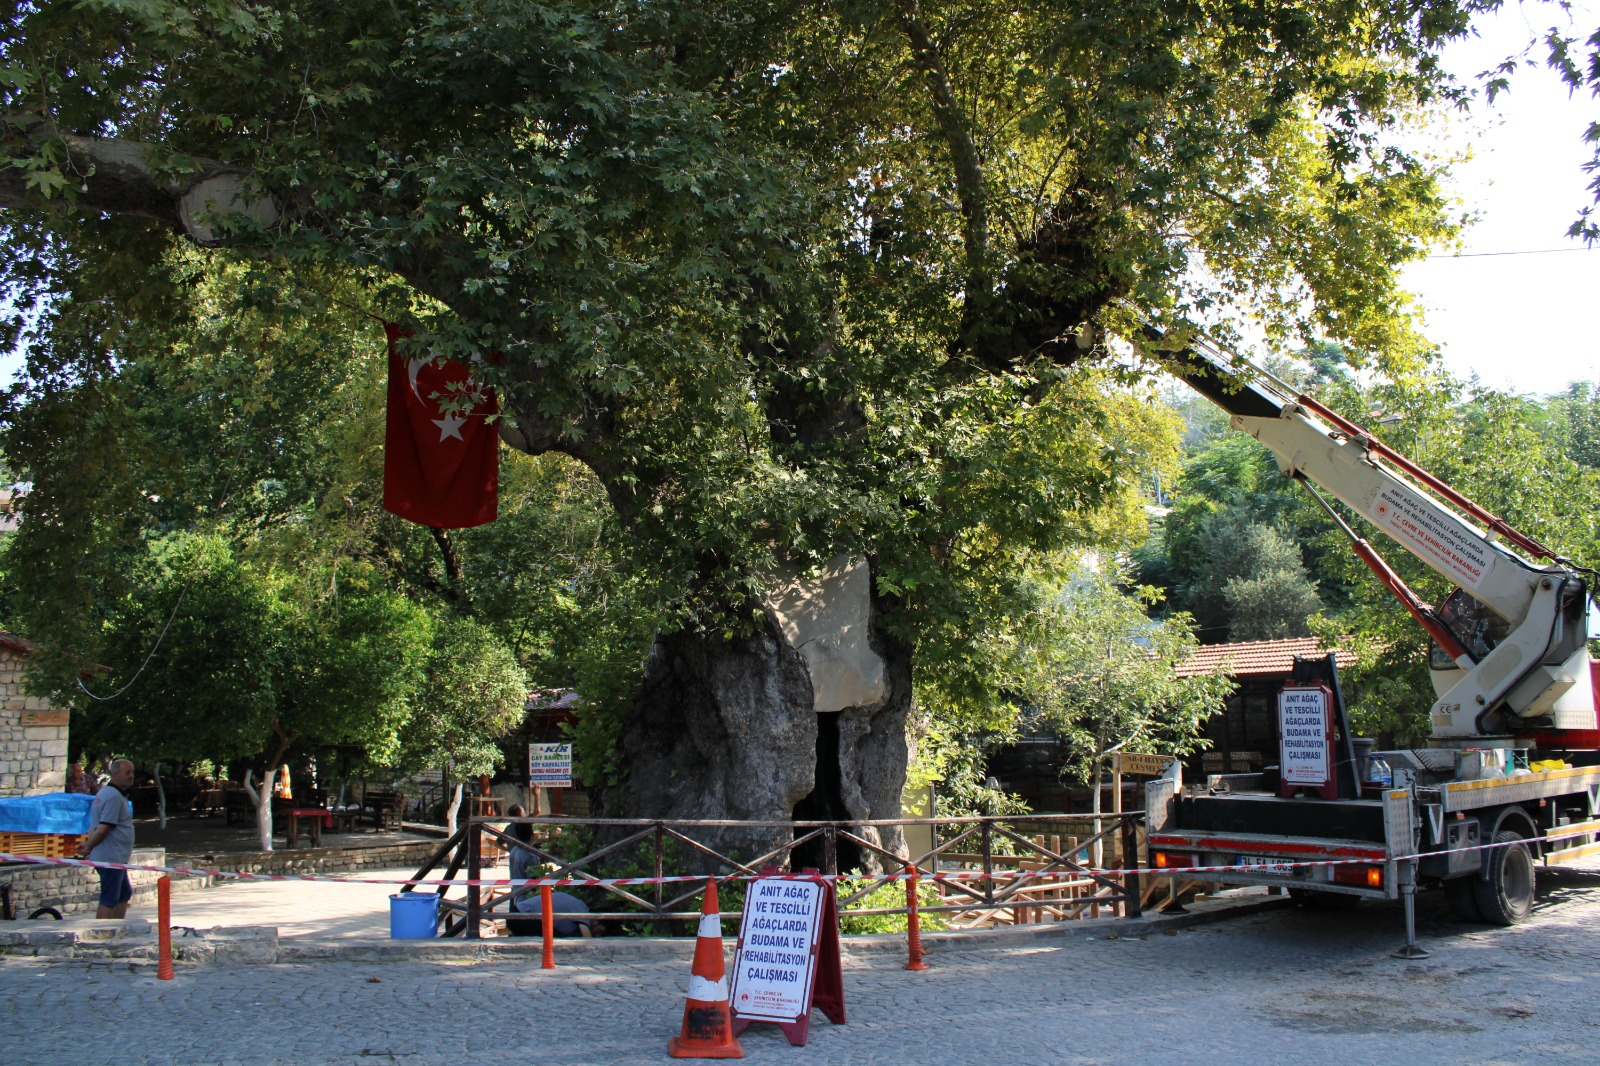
x,y
571,914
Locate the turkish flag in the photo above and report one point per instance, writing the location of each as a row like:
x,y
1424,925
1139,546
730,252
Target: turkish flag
x,y
441,468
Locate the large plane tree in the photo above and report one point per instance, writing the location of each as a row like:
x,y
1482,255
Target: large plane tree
x,y
799,282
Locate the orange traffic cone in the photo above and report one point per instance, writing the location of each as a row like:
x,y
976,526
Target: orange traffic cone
x,y
707,1026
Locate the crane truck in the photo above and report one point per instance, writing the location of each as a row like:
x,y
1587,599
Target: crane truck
x,y
1509,777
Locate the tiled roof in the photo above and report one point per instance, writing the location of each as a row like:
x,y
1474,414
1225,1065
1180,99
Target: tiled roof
x,y
553,699
15,644
1255,658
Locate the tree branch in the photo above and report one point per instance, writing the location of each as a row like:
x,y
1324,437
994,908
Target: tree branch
x,y
99,175
45,167
970,183
452,563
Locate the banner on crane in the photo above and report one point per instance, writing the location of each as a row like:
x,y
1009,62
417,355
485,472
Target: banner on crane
x,y
1420,526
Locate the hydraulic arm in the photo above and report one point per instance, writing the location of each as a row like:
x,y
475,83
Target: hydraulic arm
x,y
1515,632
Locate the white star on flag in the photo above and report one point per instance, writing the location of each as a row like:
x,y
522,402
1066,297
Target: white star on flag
x,y
450,426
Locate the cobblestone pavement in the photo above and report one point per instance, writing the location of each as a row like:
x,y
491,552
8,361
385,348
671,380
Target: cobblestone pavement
x,y
1288,985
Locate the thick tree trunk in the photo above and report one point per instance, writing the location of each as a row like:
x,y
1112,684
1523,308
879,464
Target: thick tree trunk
x,y
764,728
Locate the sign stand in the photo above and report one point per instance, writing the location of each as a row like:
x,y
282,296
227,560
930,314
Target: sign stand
x,y
777,993
1305,739
1124,762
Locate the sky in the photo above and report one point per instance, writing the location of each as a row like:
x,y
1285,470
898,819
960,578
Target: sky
x,y
1523,322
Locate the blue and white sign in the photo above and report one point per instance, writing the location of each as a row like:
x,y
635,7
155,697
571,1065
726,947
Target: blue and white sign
x,y
550,765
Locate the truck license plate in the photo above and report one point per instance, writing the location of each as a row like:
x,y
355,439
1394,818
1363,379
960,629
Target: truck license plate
x,y
1286,869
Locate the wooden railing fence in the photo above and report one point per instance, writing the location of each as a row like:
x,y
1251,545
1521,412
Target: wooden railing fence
x,y
1026,878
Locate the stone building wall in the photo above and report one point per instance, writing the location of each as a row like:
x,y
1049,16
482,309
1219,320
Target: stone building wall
x,y
33,735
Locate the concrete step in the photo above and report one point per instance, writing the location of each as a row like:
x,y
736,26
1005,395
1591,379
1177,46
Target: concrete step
x,y
135,939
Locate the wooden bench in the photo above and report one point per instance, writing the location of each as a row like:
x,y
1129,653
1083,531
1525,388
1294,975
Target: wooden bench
x,y
384,808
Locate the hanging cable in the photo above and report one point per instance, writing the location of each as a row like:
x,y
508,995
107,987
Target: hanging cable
x,y
1524,251
227,494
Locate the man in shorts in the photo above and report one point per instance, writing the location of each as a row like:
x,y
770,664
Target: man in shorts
x,y
111,840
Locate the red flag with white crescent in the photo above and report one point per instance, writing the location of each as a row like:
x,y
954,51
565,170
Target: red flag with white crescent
x,y
441,459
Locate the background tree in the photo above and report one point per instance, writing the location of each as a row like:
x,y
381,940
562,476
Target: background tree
x,y
1230,548
206,659
1102,676
473,695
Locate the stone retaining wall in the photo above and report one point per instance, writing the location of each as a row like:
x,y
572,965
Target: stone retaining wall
x,y
75,889
316,860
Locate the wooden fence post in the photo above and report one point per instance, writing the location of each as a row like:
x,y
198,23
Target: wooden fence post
x,y
988,861
661,845
474,873
1130,863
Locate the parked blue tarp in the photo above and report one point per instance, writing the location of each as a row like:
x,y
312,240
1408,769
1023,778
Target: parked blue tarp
x,y
56,812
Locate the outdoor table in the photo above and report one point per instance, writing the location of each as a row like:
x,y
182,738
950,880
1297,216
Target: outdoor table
x,y
343,820
315,817
206,803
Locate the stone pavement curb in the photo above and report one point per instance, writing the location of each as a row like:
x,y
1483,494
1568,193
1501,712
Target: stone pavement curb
x,y
631,949
134,939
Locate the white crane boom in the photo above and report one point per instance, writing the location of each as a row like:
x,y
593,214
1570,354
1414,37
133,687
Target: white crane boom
x,y
1524,663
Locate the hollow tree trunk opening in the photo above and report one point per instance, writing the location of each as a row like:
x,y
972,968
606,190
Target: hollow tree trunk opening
x,y
825,803
814,704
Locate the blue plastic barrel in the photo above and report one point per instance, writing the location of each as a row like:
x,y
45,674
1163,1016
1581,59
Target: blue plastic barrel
x,y
413,915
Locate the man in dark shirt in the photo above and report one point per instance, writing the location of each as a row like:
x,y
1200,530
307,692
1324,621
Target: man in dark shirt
x,y
111,840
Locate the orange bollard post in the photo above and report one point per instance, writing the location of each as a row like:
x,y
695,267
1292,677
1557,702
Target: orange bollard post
x,y
164,928
913,922
707,1022
547,925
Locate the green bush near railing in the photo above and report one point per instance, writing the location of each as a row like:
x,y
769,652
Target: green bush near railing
x,y
889,895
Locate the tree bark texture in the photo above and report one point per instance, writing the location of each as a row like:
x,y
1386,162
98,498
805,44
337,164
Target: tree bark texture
x,y
725,729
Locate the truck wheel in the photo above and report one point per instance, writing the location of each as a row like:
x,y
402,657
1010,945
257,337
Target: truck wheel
x,y
1462,893
1313,900
1505,892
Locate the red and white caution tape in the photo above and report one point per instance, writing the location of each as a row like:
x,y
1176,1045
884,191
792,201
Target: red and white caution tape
x,y
1274,865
